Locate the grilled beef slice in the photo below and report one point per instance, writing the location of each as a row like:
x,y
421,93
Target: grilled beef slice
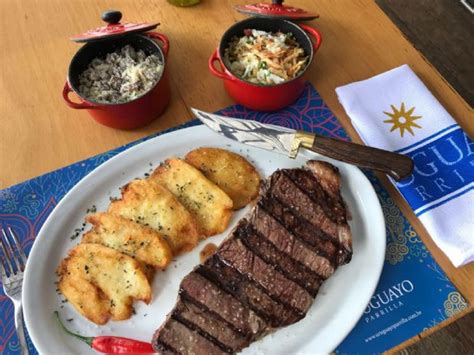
x,y
209,325
314,238
286,242
291,268
285,190
267,272
175,337
248,292
211,297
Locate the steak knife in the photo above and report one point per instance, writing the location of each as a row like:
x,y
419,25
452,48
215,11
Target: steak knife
x,y
289,142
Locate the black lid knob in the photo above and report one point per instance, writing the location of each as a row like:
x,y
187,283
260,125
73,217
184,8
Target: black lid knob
x,y
277,2
111,16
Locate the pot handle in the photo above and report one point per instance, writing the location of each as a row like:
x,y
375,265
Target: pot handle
x,y
315,33
163,39
78,106
219,73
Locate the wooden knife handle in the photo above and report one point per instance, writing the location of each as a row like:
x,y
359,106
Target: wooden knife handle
x,y
396,165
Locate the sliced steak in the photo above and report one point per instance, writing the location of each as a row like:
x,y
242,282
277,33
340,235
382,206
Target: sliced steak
x,y
248,292
283,188
330,179
328,176
208,325
236,254
290,267
315,239
286,242
332,205
175,337
213,298
266,273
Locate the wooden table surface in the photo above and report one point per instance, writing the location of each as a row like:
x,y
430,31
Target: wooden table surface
x,y
39,133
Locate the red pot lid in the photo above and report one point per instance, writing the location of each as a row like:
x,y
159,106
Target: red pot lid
x,y
276,9
113,29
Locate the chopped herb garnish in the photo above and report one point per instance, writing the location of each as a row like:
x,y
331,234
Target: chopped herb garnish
x,y
92,209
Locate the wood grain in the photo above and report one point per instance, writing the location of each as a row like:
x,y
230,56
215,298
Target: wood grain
x,y
443,35
455,338
39,133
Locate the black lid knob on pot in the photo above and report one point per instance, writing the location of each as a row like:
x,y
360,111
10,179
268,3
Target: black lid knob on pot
x,y
111,16
113,29
277,2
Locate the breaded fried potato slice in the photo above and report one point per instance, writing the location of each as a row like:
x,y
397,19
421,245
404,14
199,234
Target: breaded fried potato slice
x,y
86,298
211,206
150,204
126,236
230,171
101,283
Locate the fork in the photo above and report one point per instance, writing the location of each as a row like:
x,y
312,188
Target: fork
x,y
12,266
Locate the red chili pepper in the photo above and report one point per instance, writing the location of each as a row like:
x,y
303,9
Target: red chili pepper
x,y
110,344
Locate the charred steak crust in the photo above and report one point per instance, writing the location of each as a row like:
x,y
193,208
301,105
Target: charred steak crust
x,y
177,337
323,245
209,326
287,191
249,293
289,267
287,243
208,294
276,285
266,274
332,205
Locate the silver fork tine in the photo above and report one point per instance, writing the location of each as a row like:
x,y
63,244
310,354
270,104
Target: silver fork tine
x,y
12,252
12,281
2,270
5,255
18,246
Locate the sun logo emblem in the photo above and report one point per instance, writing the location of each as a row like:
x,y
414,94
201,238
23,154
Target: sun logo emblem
x,y
402,120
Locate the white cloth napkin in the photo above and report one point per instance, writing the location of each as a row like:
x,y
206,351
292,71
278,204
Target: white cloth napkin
x,y
395,111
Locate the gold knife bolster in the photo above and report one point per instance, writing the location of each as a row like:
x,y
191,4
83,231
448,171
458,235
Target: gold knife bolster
x,y
301,139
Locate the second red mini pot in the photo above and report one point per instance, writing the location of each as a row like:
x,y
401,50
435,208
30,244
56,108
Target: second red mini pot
x,y
264,97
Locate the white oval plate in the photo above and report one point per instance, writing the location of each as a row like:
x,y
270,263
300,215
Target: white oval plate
x,y
340,302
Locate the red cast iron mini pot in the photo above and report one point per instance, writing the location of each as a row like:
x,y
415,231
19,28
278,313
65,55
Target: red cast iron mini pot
x,y
264,97
128,115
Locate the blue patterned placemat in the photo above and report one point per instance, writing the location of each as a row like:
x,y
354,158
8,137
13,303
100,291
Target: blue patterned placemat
x,y
413,294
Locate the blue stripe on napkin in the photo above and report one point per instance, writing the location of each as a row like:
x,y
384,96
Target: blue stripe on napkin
x,y
444,169
433,136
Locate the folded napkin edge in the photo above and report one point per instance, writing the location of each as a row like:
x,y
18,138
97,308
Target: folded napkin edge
x,y
378,76
364,100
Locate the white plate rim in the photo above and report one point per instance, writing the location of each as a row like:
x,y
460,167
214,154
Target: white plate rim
x,y
378,225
